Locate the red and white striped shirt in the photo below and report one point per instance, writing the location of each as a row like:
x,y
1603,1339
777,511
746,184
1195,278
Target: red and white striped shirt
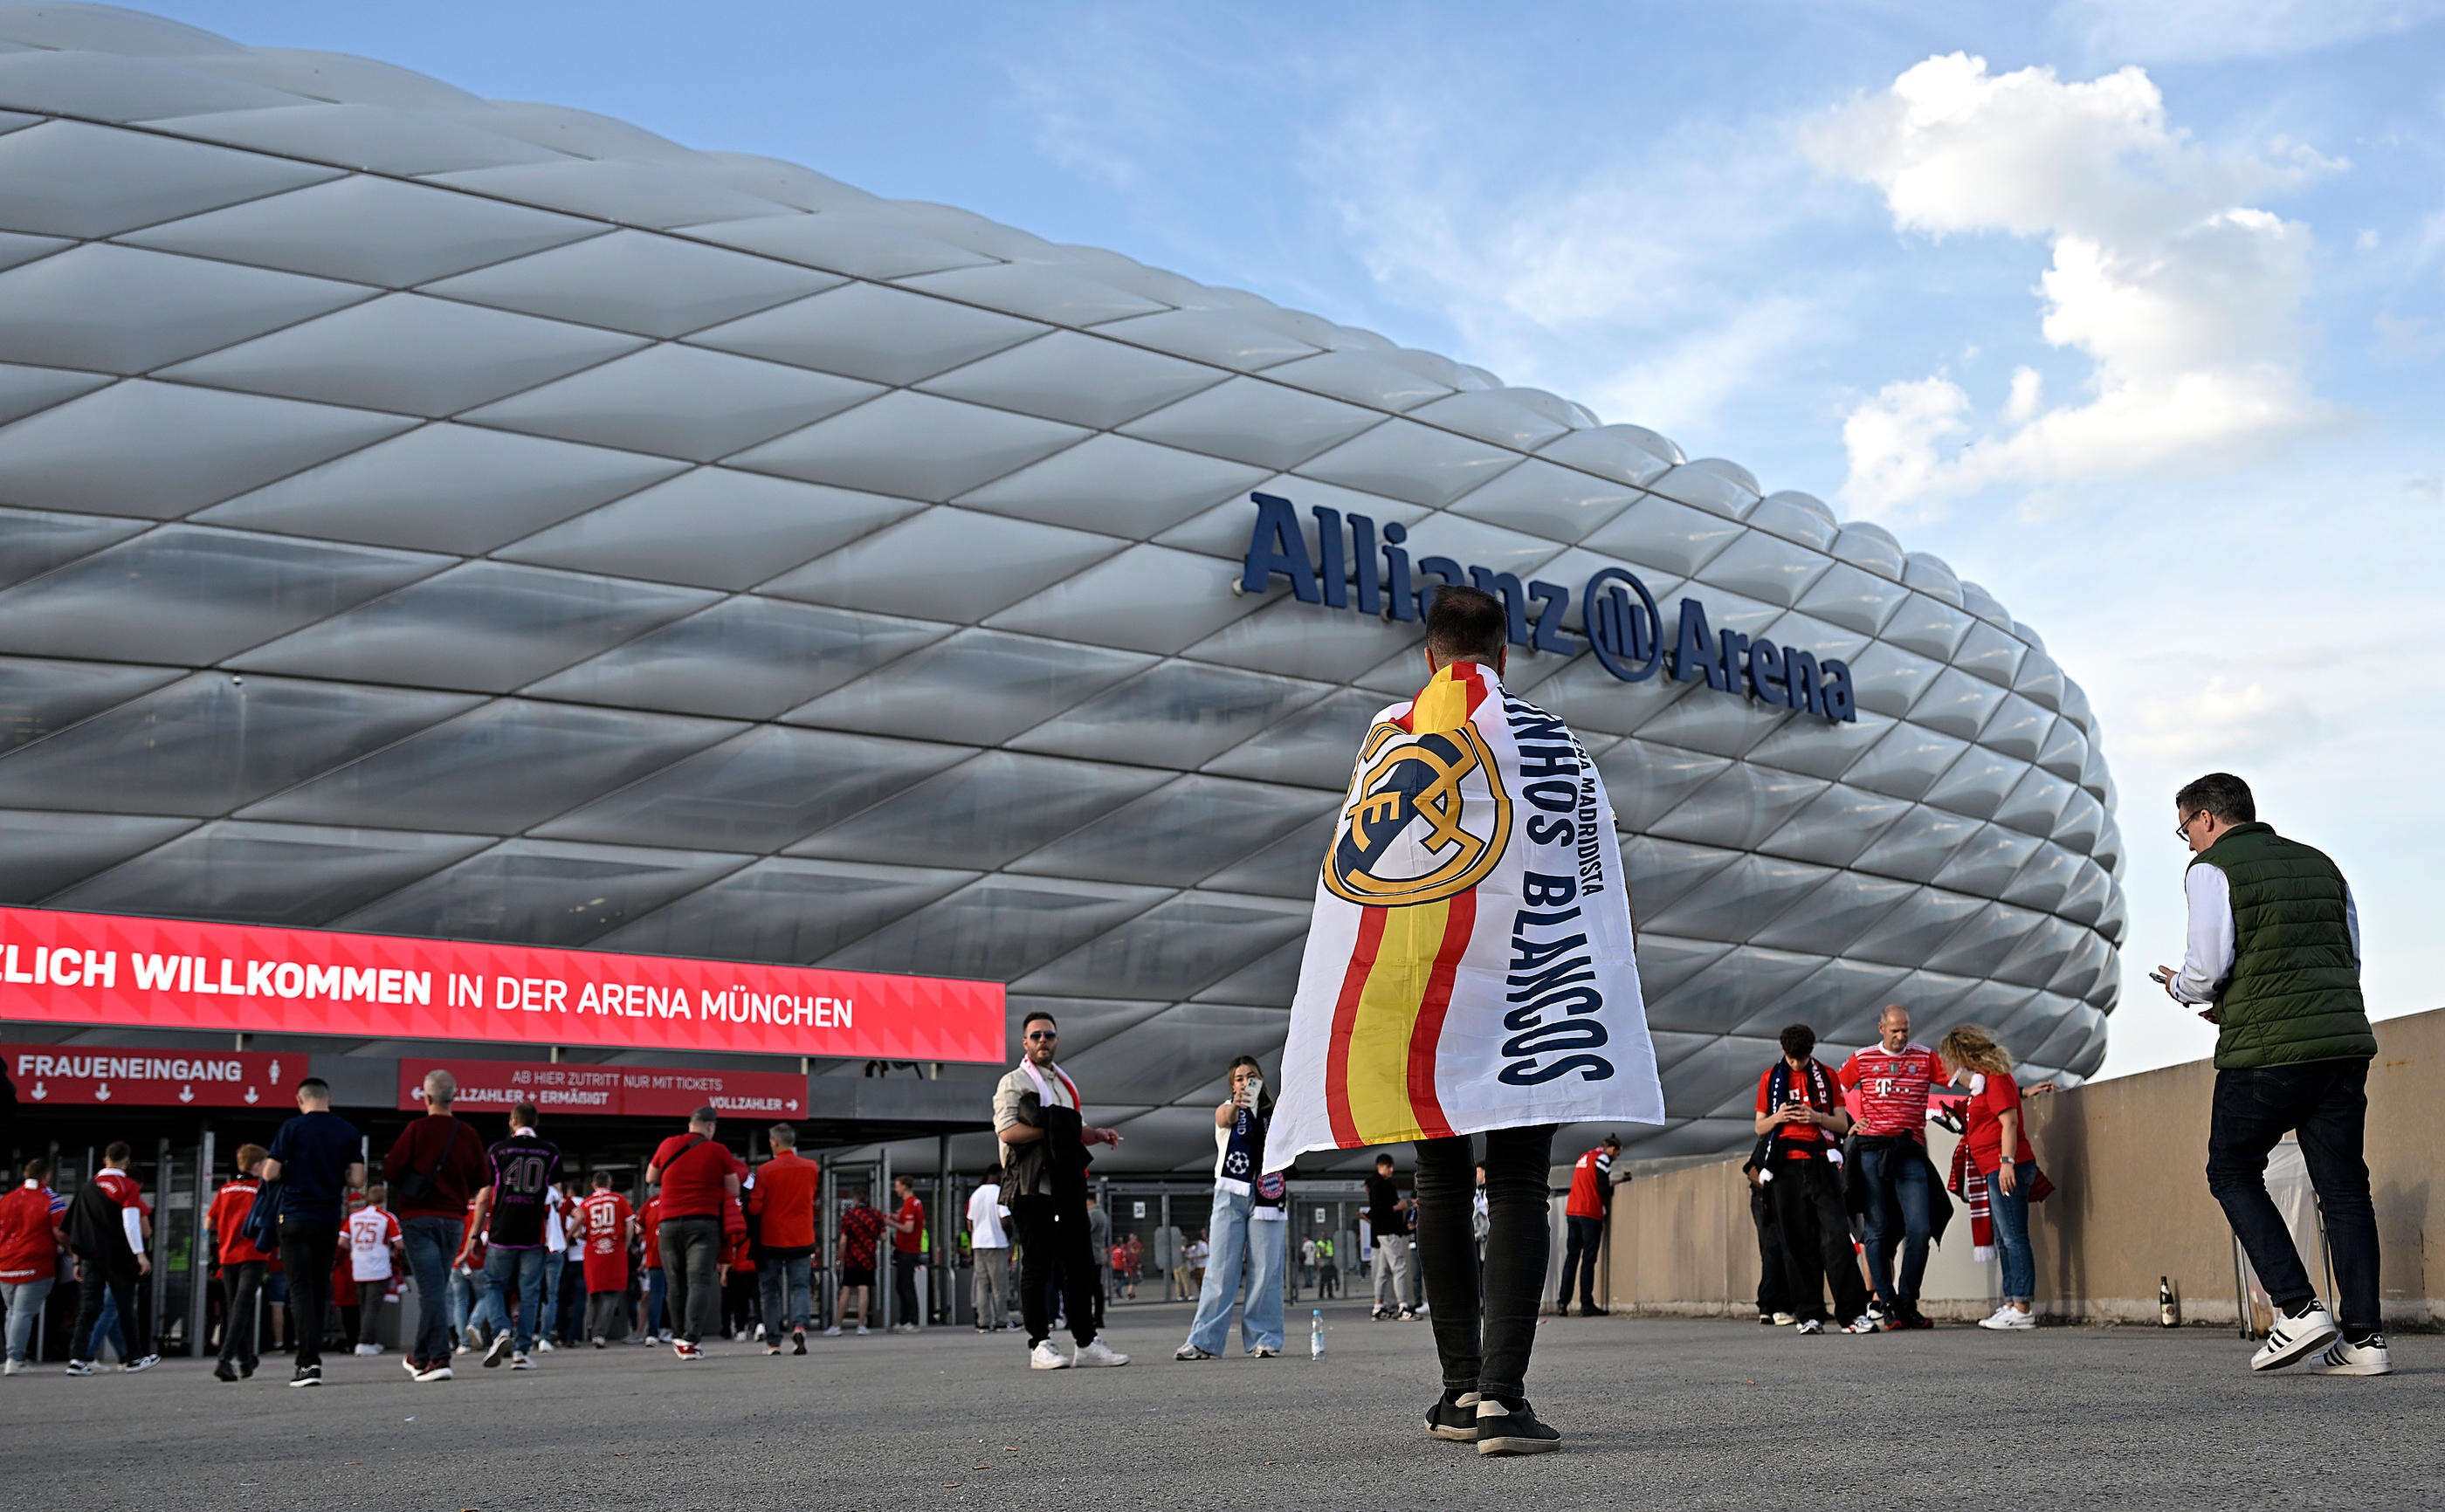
x,y
1892,1088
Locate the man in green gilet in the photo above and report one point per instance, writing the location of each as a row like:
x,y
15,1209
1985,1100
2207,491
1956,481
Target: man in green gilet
x,y
2274,960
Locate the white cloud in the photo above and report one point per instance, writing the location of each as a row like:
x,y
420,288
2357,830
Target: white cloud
x,y
2210,30
2184,297
2238,724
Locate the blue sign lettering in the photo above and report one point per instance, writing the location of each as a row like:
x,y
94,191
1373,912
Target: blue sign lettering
x,y
1618,616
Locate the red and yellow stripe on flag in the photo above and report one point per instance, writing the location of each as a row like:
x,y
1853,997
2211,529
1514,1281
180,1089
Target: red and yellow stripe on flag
x,y
1387,1023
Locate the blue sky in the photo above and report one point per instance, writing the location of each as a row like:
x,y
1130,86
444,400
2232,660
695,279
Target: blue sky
x,y
2135,313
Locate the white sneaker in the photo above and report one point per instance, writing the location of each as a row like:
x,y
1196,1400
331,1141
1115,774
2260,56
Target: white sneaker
x,y
543,1346
141,1362
832,1332
519,1362
2294,1335
13,1368
2008,1317
1047,1357
862,1330
1095,1352
2342,1357
1810,1325
436,1372
368,1348
1785,1320
1863,1325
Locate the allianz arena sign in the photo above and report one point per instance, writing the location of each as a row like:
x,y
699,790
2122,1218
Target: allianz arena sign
x,y
1619,616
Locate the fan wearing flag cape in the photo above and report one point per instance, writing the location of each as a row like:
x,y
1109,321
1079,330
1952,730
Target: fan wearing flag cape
x,y
1469,972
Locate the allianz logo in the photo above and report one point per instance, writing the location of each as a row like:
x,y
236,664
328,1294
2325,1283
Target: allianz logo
x,y
1621,624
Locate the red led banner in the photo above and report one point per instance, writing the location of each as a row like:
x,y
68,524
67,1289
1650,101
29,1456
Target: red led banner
x,y
103,1075
85,968
634,1092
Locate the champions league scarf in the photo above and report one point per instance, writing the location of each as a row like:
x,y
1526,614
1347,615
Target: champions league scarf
x,y
1470,964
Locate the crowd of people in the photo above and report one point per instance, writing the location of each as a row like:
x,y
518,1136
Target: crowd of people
x,y
509,1262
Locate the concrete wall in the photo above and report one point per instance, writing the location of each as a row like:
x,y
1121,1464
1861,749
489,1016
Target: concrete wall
x,y
2128,1158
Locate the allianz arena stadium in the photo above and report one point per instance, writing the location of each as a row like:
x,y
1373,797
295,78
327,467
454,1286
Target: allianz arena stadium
x,y
429,515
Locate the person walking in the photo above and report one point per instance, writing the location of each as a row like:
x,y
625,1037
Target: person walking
x,y
1997,1140
559,1216
106,1232
1044,1143
31,1241
1250,1228
1800,1113
515,1212
242,1263
2272,958
315,1158
989,1247
782,1205
861,1236
604,1226
700,1182
1897,1182
433,1171
1583,1213
373,1239
908,1253
1388,1215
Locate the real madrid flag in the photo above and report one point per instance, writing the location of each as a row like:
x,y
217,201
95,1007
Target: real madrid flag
x,y
1470,963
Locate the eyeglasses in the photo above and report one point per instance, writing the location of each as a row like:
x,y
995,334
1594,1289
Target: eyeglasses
x,y
2182,831
1044,1033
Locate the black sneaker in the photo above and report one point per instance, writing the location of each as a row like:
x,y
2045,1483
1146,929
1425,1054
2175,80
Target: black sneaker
x,y
797,1341
1592,1310
224,1371
1454,1417
1912,1317
307,1375
1512,1429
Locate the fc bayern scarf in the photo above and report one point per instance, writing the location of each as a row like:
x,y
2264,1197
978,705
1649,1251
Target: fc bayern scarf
x,y
1470,963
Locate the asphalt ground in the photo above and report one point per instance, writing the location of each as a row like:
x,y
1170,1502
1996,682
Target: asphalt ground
x,y
1666,1413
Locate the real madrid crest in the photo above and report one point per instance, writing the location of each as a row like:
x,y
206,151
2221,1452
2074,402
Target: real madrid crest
x,y
1427,818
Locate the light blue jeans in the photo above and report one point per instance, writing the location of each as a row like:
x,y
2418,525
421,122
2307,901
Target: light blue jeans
x,y
781,1289
2011,1211
25,1300
1242,1243
523,1269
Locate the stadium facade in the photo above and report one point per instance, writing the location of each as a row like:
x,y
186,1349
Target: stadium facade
x,y
437,516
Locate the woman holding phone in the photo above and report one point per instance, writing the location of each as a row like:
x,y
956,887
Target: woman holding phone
x,y
1998,1140
1250,1227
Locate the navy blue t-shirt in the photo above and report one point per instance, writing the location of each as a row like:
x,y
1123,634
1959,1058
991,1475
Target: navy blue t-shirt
x,y
315,1151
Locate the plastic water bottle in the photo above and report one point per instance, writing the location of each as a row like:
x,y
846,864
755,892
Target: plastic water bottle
x,y
1315,1336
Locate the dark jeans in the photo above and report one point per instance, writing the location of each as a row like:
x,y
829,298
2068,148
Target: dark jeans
x,y
1807,1196
94,1282
1580,1256
1051,1229
240,1284
1485,1324
431,1241
783,1291
903,1290
1774,1286
369,1306
691,1252
307,1246
2327,1102
1896,1178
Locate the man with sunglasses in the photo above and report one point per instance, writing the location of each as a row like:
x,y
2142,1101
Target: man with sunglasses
x,y
2272,960
1044,1163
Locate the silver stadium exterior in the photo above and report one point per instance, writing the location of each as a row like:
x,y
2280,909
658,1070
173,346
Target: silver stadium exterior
x,y
439,516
